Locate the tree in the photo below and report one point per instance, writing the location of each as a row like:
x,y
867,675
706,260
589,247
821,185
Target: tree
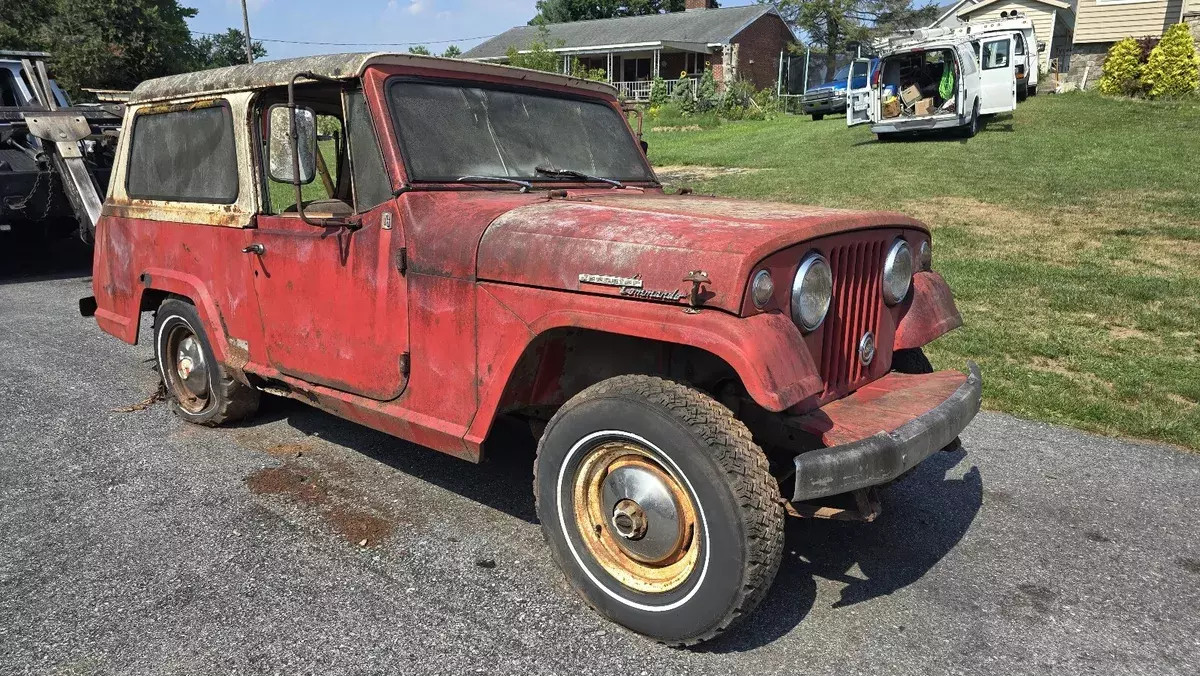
x,y
537,54
116,45
831,24
1174,65
452,52
22,24
563,11
225,49
421,50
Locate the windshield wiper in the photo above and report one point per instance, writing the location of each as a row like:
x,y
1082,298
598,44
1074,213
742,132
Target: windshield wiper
x,y
579,175
526,186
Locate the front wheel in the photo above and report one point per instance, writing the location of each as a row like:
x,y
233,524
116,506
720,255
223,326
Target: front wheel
x,y
817,117
659,507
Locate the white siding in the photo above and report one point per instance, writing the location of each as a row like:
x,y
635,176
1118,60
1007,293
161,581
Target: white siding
x,y
1112,20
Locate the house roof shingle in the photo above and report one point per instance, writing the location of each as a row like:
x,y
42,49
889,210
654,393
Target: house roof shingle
x,y
698,26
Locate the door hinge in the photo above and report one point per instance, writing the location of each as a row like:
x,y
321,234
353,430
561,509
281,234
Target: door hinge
x,y
402,260
405,364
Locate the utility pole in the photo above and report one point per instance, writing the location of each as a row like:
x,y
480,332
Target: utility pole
x,y
246,30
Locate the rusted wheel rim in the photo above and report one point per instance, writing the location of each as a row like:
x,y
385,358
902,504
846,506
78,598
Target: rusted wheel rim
x,y
635,517
187,372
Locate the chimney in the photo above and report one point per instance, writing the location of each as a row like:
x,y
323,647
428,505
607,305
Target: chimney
x,y
700,4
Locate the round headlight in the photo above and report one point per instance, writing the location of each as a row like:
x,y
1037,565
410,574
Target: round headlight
x,y
925,256
897,273
812,291
763,289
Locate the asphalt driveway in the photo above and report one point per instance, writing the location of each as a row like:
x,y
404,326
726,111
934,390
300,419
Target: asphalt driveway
x,y
132,543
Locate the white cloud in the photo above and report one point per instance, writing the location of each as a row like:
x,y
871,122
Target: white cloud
x,y
416,6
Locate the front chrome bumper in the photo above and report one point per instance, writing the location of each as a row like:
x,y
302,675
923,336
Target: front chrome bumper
x,y
885,456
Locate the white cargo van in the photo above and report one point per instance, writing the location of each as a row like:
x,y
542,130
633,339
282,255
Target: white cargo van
x,y
1025,45
938,84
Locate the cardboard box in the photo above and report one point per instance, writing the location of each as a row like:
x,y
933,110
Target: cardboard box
x,y
891,107
910,95
924,107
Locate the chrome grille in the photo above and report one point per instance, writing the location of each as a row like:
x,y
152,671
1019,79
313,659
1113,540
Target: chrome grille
x,y
857,307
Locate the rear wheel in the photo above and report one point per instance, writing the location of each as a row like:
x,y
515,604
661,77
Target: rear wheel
x,y
1033,90
1022,92
972,127
885,136
199,388
659,508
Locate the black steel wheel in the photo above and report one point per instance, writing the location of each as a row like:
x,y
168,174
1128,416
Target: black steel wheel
x,y
659,507
199,388
817,117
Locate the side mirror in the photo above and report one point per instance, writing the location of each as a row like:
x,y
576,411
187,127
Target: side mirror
x,y
1041,46
282,148
645,146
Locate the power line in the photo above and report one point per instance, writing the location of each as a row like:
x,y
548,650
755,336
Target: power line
x,y
358,44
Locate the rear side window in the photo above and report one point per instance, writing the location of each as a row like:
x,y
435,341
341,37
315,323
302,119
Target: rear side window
x,y
184,156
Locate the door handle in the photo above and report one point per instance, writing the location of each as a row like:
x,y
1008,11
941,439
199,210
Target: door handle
x,y
256,249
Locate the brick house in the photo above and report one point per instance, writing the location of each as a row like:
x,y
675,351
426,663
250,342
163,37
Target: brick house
x,y
1100,23
739,43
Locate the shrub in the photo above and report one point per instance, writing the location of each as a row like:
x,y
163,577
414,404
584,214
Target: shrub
x,y
658,93
736,99
1122,68
683,98
767,101
706,92
1174,65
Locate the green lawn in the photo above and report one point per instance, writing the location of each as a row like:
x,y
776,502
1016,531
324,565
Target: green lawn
x,y
1069,231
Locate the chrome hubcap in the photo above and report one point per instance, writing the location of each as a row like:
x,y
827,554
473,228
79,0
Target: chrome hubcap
x,y
645,515
191,367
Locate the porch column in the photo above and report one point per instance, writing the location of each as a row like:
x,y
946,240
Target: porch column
x,y
609,70
656,63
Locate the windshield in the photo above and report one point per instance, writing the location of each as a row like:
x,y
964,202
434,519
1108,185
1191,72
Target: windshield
x,y
449,131
841,74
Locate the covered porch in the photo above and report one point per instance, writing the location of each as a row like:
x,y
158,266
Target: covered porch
x,y
633,68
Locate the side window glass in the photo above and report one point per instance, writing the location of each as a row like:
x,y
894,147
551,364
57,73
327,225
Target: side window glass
x,y
331,142
1020,48
995,54
184,156
371,184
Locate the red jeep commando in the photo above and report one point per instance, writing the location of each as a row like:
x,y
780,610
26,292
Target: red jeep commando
x,y
422,245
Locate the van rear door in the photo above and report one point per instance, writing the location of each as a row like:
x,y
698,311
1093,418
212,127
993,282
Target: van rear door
x,y
858,99
997,75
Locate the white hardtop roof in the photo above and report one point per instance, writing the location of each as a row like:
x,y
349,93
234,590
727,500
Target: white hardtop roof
x,y
341,66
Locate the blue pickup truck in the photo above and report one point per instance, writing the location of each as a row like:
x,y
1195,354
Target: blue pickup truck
x,y
830,97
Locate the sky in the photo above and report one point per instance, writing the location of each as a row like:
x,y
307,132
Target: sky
x,y
435,23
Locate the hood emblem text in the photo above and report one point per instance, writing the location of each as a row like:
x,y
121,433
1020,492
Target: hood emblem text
x,y
649,294
611,280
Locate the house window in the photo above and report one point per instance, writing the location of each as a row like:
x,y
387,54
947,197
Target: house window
x,y
635,70
695,63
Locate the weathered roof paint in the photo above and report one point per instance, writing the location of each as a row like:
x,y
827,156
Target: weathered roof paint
x,y
343,66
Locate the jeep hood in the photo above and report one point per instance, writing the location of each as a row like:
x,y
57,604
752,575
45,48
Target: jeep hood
x,y
659,239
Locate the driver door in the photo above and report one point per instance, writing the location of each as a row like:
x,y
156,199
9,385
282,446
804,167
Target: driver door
x,y
858,99
997,75
333,300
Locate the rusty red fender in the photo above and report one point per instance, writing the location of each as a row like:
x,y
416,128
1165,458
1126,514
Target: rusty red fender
x,y
932,313
767,351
